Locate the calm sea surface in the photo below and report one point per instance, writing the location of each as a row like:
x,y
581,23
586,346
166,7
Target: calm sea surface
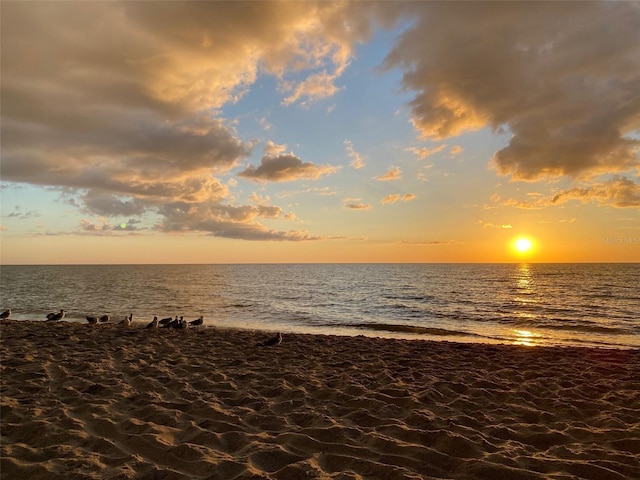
x,y
533,304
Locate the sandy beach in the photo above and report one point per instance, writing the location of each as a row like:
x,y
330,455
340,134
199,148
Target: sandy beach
x,y
103,402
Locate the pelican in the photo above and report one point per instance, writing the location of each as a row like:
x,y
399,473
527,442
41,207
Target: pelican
x,y
92,320
154,323
197,322
6,313
104,318
277,340
127,321
54,317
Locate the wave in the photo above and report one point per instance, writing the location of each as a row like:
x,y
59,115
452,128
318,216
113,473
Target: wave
x,y
413,329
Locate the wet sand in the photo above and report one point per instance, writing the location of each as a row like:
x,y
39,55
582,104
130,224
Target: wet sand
x,y
101,402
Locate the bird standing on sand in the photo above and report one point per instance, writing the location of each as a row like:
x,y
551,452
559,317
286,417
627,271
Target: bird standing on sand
x,y
92,320
54,317
182,324
166,321
153,324
104,318
6,313
127,321
277,340
197,322
170,324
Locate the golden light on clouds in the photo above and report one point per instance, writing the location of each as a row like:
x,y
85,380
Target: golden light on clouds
x,y
253,120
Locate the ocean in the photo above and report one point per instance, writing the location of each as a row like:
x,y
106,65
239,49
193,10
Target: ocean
x,y
526,304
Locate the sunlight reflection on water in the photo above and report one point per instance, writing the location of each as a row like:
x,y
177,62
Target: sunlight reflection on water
x,y
556,304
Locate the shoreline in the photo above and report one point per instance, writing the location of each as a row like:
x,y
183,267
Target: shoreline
x,y
80,401
388,331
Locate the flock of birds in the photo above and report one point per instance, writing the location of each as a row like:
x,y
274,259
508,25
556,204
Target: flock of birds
x,y
178,323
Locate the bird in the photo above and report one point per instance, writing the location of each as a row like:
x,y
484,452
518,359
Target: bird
x,y
197,322
277,340
154,323
54,317
126,321
182,324
6,313
104,318
92,320
165,321
170,324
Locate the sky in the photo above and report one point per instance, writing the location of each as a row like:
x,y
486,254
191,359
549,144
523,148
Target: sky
x,y
242,132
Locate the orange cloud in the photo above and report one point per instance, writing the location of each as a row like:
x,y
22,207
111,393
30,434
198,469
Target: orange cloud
x,y
393,174
552,75
425,152
620,192
393,198
357,161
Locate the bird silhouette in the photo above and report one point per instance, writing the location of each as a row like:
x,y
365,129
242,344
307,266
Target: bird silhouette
x,y
277,340
197,322
92,320
54,317
6,313
126,321
153,324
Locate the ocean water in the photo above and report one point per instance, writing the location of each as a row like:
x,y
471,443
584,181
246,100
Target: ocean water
x,y
530,304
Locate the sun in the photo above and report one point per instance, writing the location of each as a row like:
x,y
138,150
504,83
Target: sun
x,y
523,245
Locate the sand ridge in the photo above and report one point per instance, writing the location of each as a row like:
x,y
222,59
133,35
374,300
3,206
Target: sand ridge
x,y
93,402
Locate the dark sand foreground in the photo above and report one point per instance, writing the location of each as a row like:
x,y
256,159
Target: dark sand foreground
x,y
101,402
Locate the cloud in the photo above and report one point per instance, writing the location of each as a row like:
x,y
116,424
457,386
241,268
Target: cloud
x,y
553,75
314,87
393,174
357,160
272,149
355,204
285,168
228,222
259,199
562,220
112,205
127,118
322,191
120,103
425,152
104,227
620,192
430,242
22,215
503,226
393,198
456,150
264,123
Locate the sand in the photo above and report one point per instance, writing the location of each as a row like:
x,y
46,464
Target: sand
x,y
101,402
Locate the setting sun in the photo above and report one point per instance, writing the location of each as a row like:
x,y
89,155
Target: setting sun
x,y
523,245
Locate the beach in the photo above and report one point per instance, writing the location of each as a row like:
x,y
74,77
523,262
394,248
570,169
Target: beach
x,y
103,402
